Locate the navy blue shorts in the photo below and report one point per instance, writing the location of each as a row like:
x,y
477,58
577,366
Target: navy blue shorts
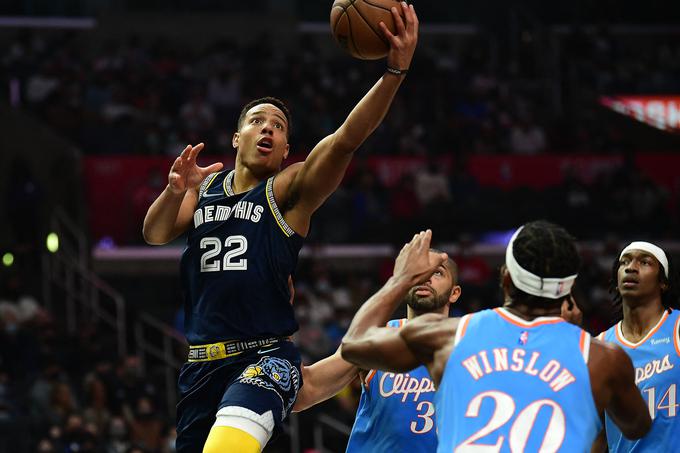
x,y
264,379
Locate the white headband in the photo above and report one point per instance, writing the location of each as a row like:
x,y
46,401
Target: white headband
x,y
552,288
650,248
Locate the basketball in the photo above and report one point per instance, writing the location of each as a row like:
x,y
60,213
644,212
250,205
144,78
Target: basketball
x,y
355,26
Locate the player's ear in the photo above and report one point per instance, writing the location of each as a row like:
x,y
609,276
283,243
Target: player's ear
x,y
285,153
234,140
455,294
570,311
505,280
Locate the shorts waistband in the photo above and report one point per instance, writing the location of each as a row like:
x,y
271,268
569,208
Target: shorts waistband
x,y
224,349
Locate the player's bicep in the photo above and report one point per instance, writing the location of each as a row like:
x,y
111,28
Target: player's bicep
x,y
321,173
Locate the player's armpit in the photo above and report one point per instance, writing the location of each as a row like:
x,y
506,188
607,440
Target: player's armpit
x,y
380,348
626,408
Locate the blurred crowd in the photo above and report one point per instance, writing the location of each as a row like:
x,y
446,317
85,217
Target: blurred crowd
x,y
63,392
622,200
152,96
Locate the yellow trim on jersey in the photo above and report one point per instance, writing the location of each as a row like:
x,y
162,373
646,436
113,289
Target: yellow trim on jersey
x,y
274,208
211,181
205,184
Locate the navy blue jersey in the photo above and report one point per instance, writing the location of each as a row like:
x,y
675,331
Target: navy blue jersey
x,y
235,268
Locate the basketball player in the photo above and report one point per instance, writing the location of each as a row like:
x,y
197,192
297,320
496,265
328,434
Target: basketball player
x,y
645,284
516,378
396,411
245,229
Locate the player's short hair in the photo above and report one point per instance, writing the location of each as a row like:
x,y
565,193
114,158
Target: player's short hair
x,y
276,102
546,250
670,298
452,265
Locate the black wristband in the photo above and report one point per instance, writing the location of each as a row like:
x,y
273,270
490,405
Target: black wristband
x,y
396,71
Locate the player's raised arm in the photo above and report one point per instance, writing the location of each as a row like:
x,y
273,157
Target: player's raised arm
x,y
370,346
324,168
171,213
323,380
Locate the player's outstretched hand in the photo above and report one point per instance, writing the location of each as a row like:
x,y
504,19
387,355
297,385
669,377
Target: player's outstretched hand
x,y
415,262
186,174
403,44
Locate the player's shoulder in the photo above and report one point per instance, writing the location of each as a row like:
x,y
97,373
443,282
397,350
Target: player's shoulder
x,y
609,355
289,173
607,334
284,179
210,182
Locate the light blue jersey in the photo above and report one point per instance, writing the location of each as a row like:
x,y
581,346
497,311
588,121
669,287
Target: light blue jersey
x,y
396,412
516,386
656,359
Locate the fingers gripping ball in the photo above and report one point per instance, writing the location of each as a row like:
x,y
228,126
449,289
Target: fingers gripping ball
x,y
355,26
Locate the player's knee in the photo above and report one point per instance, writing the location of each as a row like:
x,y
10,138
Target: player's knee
x,y
239,429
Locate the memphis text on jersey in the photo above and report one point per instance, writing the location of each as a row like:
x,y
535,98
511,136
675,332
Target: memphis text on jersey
x,y
552,372
243,210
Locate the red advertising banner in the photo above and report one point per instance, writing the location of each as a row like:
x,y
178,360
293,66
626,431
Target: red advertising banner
x,y
539,171
661,112
120,189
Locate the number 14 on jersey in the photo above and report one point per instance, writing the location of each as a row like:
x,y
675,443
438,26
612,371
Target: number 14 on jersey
x,y
667,402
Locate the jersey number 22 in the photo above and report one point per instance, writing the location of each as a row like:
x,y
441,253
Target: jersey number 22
x,y
210,261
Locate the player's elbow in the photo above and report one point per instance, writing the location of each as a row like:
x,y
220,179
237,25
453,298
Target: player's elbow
x,y
638,429
351,349
345,141
151,238
155,236
347,349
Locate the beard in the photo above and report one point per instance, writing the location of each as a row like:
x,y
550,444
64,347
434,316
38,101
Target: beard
x,y
423,304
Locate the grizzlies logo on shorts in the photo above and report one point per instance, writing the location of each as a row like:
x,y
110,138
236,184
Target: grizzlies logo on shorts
x,y
276,374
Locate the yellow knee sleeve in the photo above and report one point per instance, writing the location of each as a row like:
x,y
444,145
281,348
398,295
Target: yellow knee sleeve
x,y
225,439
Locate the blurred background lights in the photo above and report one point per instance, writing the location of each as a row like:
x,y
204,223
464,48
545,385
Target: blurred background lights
x,y
7,259
52,242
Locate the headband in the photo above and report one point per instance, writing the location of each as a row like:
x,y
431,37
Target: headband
x,y
650,248
551,288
